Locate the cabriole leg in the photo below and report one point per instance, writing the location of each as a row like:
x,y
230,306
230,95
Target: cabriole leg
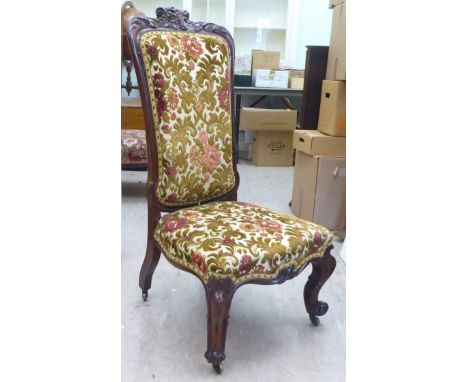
x,y
219,294
322,270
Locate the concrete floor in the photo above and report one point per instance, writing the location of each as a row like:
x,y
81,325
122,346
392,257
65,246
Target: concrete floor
x,y
270,337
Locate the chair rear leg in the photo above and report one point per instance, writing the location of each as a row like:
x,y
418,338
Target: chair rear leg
x,y
322,270
219,293
147,268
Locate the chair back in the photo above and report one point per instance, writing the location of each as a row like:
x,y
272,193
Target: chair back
x,y
185,76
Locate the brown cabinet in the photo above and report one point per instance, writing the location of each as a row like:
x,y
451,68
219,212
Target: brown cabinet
x,y
315,71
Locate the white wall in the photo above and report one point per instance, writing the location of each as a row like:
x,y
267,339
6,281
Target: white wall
x,y
314,27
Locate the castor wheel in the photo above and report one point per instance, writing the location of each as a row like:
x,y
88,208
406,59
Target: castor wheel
x,y
144,295
218,368
315,320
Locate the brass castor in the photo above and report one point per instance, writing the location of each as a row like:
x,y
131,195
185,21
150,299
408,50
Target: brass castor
x,y
218,368
144,295
314,319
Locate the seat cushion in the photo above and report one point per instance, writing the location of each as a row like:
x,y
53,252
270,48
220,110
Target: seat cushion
x,y
133,147
239,240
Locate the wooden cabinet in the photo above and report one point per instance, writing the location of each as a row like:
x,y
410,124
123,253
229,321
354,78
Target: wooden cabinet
x,y
315,71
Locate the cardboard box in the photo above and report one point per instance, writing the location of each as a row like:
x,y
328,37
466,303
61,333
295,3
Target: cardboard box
x,y
332,117
336,66
265,78
313,142
132,117
335,3
263,59
296,83
273,148
267,119
319,190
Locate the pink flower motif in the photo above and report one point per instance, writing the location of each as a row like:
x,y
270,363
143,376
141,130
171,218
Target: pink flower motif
x,y
203,137
158,80
173,116
192,46
206,177
227,73
245,264
166,128
172,98
211,157
224,97
191,65
199,106
172,223
269,225
181,57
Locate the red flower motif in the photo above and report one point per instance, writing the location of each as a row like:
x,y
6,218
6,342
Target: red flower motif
x,y
224,97
199,261
259,268
161,106
317,238
227,241
152,50
171,171
171,223
157,93
166,128
245,264
171,198
158,80
173,116
192,47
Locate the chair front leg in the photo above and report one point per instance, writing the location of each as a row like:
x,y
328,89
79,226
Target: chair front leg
x,y
322,270
219,293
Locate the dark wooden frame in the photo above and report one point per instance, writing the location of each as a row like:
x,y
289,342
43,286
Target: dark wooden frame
x,y
219,291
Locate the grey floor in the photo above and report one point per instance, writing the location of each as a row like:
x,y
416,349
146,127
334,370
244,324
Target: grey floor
x,y
270,337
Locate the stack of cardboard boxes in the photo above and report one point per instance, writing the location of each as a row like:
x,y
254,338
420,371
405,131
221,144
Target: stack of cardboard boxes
x,y
269,132
319,190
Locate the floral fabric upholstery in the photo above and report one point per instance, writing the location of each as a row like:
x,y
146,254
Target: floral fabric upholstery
x,y
133,147
189,83
239,240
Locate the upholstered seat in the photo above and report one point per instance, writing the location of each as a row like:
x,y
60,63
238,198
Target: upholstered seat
x,y
133,148
239,240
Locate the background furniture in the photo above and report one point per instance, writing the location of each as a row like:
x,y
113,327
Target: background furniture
x,y
225,243
315,71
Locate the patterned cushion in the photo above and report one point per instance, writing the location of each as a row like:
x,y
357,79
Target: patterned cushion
x,y
239,240
189,84
133,147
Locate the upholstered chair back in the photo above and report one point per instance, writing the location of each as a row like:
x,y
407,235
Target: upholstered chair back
x,y
188,79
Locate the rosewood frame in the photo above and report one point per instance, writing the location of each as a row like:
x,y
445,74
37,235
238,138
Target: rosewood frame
x,y
219,291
